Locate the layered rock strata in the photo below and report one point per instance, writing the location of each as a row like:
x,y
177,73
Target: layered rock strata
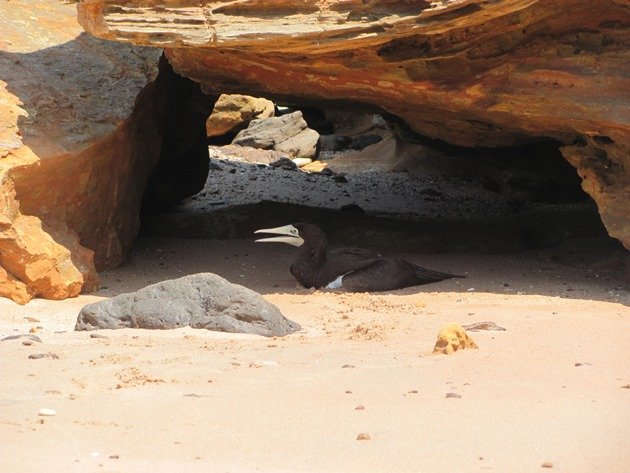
x,y
468,72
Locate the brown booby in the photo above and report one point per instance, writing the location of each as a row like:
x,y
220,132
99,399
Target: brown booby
x,y
353,269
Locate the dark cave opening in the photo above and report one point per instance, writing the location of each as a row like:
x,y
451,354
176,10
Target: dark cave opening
x,y
492,200
439,198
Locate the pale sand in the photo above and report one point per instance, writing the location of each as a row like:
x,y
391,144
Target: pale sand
x,y
192,400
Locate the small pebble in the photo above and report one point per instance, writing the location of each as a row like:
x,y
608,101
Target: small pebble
x,y
359,408
348,366
38,356
547,465
47,412
27,342
98,335
478,326
453,395
114,457
364,437
33,338
627,386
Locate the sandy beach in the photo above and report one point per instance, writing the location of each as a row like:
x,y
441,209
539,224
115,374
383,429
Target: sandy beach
x,y
551,391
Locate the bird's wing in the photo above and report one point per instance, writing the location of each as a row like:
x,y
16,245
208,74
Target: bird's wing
x,y
386,274
345,259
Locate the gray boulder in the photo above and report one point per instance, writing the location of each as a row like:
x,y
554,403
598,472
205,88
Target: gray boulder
x,y
287,133
202,300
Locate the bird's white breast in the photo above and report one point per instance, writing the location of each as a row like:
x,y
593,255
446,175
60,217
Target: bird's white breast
x,y
337,283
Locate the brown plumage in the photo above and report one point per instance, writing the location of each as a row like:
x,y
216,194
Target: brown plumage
x,y
353,269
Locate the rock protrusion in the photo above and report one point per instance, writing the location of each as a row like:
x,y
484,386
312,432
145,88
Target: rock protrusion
x,y
234,111
288,133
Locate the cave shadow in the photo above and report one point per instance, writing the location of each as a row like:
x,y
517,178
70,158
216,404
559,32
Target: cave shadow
x,y
563,249
559,272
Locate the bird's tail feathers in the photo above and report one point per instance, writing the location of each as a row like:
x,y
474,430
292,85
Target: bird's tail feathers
x,y
429,274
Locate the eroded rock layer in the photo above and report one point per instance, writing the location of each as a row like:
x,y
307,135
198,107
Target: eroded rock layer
x,y
469,72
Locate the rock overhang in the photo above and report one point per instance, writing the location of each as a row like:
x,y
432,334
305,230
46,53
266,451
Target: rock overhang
x,y
468,72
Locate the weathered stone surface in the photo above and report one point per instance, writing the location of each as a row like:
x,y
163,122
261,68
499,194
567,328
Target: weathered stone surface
x,y
246,154
80,135
453,337
288,134
236,111
202,300
479,326
469,72
302,146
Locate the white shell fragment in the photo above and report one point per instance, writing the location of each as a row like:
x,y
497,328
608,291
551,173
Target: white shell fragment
x,y
47,412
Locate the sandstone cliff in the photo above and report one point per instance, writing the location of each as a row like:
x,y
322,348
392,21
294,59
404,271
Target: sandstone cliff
x,y
74,152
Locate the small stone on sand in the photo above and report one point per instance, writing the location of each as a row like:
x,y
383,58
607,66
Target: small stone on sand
x,y
364,437
98,335
37,356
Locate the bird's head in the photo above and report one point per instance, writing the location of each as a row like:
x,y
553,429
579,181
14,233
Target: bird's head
x,y
287,234
295,234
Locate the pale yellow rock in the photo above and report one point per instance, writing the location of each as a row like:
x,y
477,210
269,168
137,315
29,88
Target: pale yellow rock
x,y
233,111
453,337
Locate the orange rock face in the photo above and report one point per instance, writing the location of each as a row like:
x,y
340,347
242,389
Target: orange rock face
x,y
469,72
66,174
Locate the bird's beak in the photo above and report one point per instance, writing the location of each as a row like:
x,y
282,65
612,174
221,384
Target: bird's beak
x,y
289,233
